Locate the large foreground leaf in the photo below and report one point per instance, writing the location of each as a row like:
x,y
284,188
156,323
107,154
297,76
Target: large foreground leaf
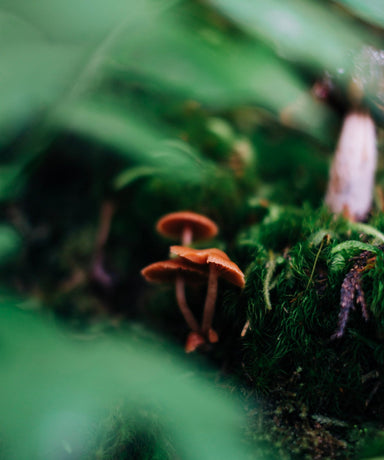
x,y
371,11
304,31
45,63
54,389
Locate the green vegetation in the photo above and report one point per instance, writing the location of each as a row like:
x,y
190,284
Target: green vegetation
x,y
115,113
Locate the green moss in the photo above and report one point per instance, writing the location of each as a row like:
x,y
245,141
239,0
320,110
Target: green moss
x,y
127,434
292,299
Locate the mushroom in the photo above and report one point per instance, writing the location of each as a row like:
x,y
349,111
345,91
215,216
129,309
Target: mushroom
x,y
187,226
219,265
352,174
176,271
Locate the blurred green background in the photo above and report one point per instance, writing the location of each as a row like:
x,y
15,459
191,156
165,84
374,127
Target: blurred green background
x,y
226,107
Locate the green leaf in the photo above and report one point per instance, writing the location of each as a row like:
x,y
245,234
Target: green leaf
x,y
10,177
353,247
367,229
65,62
304,31
218,72
73,21
34,75
130,175
372,11
134,138
15,29
342,252
55,388
9,243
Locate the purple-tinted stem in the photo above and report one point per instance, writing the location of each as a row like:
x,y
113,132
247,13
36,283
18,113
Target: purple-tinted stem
x,y
360,300
347,298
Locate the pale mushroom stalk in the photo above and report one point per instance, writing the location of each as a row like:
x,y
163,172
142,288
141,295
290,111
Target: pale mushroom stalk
x,y
183,306
210,301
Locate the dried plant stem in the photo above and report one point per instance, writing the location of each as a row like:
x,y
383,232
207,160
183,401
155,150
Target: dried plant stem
x,y
271,265
315,262
245,328
352,293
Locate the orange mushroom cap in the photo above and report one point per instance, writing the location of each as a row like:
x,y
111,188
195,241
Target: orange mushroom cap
x,y
197,256
166,271
173,224
226,268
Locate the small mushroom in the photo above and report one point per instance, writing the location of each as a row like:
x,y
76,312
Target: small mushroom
x,y
352,175
176,271
219,266
187,226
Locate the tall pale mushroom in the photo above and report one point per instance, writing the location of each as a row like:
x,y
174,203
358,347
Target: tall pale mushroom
x,y
352,175
219,265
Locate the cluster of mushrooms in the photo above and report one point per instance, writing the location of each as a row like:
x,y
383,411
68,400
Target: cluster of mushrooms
x,y
188,265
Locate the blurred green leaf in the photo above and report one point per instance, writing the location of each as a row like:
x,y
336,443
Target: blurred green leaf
x,y
130,175
14,29
39,73
72,21
343,252
218,72
48,48
70,384
34,75
133,137
9,243
304,31
9,176
372,11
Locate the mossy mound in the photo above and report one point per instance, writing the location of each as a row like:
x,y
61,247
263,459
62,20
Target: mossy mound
x,y
296,262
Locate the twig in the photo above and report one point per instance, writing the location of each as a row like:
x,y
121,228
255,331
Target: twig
x,y
245,329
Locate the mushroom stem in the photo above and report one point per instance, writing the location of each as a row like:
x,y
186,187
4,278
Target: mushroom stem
x,y
187,236
210,301
182,303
